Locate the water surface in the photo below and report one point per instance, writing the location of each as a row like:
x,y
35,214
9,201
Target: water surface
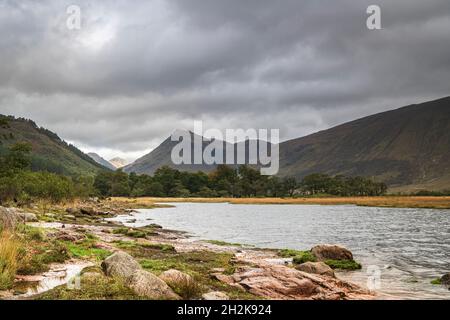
x,y
407,247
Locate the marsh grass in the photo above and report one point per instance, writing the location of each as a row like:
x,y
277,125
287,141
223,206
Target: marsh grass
x,y
9,248
187,289
383,201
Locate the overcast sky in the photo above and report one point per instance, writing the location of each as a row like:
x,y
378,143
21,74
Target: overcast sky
x,y
137,70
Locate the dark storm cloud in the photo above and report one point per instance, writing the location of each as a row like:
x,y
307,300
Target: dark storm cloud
x,y
137,70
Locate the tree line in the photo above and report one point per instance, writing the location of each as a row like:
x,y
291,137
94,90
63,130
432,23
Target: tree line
x,y
21,184
227,181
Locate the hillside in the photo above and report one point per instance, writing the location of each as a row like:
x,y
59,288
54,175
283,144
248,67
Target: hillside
x,y
49,152
408,148
101,161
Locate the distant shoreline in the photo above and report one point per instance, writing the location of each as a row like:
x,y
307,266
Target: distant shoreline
x,y
426,202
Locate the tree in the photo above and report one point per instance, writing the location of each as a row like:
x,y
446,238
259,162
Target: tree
x,y
103,183
167,177
17,159
289,186
120,184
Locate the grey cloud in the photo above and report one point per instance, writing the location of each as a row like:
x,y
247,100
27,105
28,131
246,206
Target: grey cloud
x,y
136,71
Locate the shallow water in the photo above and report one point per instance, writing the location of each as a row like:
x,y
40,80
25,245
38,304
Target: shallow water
x,y
401,250
58,274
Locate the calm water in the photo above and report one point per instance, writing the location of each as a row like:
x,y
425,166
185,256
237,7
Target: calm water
x,y
410,247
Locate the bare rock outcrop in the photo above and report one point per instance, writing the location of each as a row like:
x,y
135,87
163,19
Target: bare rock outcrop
x,y
215,295
280,282
319,268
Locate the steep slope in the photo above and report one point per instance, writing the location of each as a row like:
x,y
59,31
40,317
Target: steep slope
x,y
101,161
408,148
49,152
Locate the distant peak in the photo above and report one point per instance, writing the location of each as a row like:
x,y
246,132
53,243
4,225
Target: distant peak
x,y
118,162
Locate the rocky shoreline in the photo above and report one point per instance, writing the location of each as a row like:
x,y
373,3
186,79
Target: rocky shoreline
x,y
154,263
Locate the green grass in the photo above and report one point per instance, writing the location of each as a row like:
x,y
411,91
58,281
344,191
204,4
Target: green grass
x,y
130,232
436,281
305,256
198,264
36,257
87,251
289,253
98,287
134,246
344,264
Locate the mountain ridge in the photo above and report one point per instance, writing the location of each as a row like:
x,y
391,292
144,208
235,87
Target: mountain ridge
x,y
97,158
49,151
408,148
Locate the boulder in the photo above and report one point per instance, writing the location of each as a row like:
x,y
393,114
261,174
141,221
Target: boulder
x,y
215,295
120,264
445,279
146,284
331,252
10,217
174,277
143,283
27,217
66,236
88,211
316,268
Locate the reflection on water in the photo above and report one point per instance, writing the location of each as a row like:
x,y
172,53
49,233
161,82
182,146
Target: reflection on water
x,y
410,247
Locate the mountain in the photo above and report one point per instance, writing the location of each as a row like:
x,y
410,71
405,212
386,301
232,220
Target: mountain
x,y
161,156
118,162
101,161
408,148
49,152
